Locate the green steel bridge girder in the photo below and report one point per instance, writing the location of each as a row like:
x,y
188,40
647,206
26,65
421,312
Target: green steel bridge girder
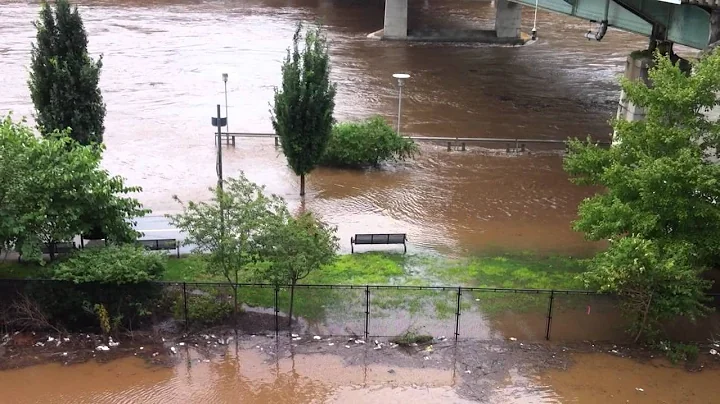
x,y
686,24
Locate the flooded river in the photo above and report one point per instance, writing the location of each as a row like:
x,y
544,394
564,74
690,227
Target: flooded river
x,y
161,79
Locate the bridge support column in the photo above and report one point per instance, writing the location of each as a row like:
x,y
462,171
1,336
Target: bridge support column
x,y
396,19
636,68
507,19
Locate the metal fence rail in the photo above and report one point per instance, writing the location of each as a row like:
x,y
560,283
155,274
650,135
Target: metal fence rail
x,y
335,310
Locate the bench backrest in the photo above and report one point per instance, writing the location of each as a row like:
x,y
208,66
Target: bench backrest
x,y
379,238
60,247
160,244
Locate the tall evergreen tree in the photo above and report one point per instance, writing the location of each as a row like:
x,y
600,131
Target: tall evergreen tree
x,y
64,79
303,112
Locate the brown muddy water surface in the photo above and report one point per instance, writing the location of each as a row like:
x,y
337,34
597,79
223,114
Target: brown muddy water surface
x,y
161,79
494,374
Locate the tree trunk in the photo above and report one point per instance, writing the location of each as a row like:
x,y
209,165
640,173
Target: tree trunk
x,y
302,184
292,301
235,301
644,320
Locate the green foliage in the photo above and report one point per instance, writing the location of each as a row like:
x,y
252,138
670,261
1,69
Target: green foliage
x,y
302,114
655,282
53,189
366,143
64,79
660,183
360,269
103,318
205,308
224,230
127,264
294,247
678,352
660,205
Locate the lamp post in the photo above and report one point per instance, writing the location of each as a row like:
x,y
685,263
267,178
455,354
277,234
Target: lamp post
x,y
400,77
227,126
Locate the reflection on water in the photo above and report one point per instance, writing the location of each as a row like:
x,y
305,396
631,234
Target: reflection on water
x,y
247,377
163,61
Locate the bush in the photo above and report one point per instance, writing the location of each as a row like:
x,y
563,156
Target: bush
x,y
205,308
127,264
366,143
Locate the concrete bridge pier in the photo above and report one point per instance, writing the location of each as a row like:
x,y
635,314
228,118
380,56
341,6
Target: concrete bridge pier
x,y
508,17
507,25
396,19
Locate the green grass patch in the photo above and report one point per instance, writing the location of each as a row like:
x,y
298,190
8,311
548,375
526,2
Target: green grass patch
x,y
511,271
23,270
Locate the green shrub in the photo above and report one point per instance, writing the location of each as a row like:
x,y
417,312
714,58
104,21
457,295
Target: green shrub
x,y
119,265
411,337
366,143
205,308
679,352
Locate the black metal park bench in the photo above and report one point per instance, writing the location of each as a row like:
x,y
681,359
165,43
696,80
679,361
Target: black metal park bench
x,y
161,244
360,239
58,248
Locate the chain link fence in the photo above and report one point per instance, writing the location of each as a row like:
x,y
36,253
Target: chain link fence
x,y
329,310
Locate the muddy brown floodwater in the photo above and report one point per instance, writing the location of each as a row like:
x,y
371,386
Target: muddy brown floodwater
x,y
318,372
161,79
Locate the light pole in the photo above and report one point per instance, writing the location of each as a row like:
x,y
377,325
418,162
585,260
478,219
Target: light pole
x,y
400,77
227,126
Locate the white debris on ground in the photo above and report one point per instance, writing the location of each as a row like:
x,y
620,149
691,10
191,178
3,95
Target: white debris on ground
x,y
50,339
294,335
39,344
102,348
359,341
317,338
513,339
713,352
331,344
297,338
442,338
112,343
181,344
347,346
173,350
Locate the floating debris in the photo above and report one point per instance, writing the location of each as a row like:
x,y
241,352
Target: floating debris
x,y
442,338
297,339
513,339
142,347
213,336
64,354
50,339
155,354
359,341
173,350
376,342
102,348
317,338
347,346
112,343
391,371
181,344
206,360
377,348
639,389
468,371
39,344
427,358
294,335
713,352
331,344
429,348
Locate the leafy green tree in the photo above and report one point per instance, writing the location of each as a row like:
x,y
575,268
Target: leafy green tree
x,y
293,248
63,78
654,283
54,189
224,229
302,115
660,190
366,143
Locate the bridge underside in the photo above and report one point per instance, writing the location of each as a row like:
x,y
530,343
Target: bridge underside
x,y
695,25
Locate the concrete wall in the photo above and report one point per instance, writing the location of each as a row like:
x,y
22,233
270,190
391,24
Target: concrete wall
x,y
396,19
508,17
636,68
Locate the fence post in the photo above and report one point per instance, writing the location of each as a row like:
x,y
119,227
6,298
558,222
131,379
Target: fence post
x,y
549,316
457,314
367,311
185,311
277,326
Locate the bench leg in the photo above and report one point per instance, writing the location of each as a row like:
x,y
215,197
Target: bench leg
x,y
404,248
178,251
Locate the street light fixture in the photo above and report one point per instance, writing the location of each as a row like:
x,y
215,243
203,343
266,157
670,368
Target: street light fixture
x,y
225,79
400,78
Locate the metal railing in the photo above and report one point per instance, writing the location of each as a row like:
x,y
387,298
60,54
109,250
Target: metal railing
x,y
511,144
